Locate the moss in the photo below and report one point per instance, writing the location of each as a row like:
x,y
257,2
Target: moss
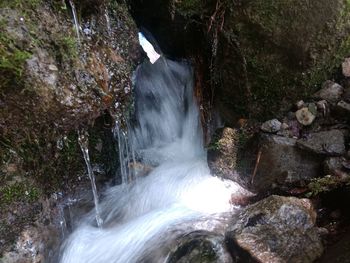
x,y
19,192
12,61
67,48
324,184
22,4
189,8
286,58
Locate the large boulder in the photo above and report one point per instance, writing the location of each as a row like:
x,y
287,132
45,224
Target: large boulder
x,y
277,229
281,163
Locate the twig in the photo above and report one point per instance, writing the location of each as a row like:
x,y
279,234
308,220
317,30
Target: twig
x,y
256,166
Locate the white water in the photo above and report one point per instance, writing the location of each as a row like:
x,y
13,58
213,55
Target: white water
x,y
143,219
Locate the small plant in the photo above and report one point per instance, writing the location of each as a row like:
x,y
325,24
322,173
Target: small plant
x,y
321,185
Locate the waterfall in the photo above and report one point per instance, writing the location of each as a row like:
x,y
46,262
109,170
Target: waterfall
x,y
143,218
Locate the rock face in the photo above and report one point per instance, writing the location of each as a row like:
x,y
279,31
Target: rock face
x,y
278,229
329,143
281,162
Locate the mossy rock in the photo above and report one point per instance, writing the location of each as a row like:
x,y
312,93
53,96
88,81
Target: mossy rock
x,y
271,53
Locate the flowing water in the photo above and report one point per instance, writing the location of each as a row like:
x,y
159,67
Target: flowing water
x,y
83,139
75,18
144,219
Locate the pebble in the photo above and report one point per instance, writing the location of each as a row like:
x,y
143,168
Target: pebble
x,y
305,116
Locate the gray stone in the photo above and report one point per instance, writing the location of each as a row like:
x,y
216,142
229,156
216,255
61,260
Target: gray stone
x,y
330,143
282,162
277,229
271,126
330,92
305,116
346,67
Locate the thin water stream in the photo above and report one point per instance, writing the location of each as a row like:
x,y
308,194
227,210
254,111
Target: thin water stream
x,y
75,18
83,139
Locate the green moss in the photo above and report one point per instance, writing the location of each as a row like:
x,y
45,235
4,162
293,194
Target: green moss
x,y
19,192
67,48
12,60
190,7
286,58
20,3
324,184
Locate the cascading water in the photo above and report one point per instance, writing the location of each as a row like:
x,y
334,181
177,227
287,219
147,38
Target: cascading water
x,y
143,219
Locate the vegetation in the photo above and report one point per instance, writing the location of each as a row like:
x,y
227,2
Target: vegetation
x,y
19,192
324,184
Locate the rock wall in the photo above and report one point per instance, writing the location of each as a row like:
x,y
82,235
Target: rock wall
x,y
57,77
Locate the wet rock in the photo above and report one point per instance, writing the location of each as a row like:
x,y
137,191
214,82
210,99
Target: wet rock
x,y
277,229
140,169
329,143
282,162
31,246
305,116
346,67
200,247
330,92
222,153
271,126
